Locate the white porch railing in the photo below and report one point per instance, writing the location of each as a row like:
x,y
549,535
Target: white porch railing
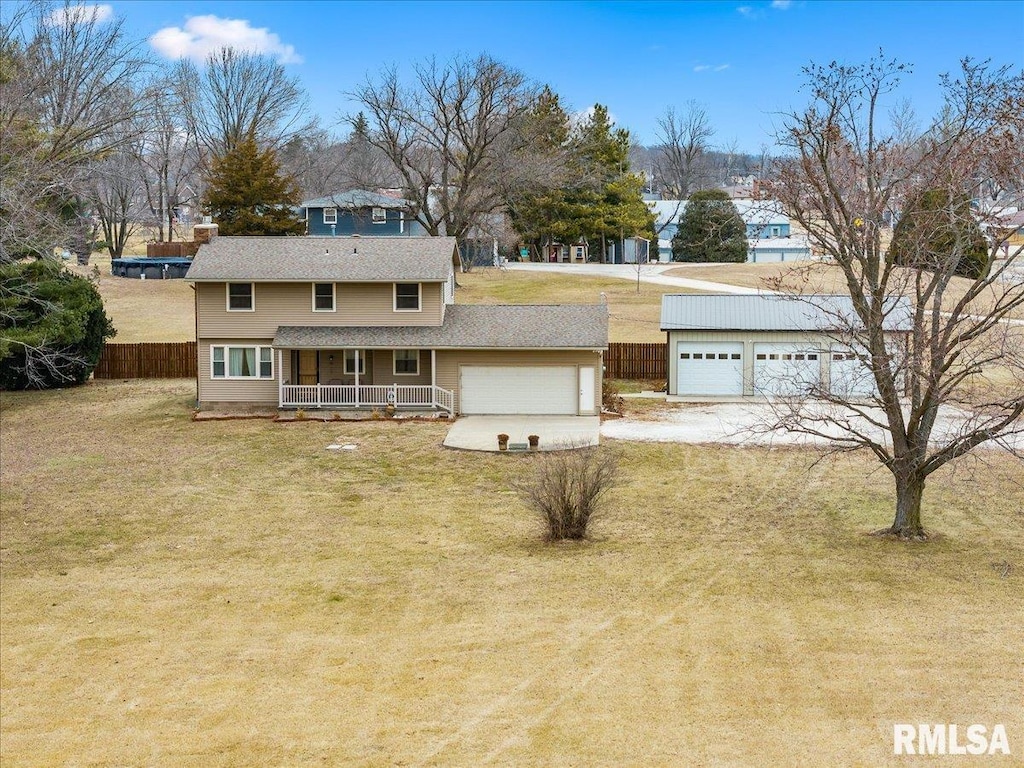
x,y
371,396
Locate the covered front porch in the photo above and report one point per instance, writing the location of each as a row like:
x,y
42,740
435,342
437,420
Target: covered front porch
x,y
361,378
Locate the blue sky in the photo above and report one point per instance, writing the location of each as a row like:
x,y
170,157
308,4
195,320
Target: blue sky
x,y
741,60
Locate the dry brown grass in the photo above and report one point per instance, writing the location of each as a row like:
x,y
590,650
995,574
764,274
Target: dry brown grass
x,y
634,316
231,593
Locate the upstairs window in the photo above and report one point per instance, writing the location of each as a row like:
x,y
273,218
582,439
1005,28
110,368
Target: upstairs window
x,y
330,215
379,215
323,297
407,297
240,297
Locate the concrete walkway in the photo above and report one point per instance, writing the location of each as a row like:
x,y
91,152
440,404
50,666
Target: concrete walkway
x,y
480,433
649,273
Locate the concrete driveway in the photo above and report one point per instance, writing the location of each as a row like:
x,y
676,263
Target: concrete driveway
x,y
480,433
744,424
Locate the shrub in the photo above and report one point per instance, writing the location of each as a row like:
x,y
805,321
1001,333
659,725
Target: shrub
x,y
52,326
611,398
568,487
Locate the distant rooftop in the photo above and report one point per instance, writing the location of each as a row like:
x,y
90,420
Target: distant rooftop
x,y
356,198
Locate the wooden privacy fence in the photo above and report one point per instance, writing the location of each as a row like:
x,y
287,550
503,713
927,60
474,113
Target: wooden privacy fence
x,y
153,360
172,360
630,360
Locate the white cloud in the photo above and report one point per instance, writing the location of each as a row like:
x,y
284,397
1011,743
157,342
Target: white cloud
x,y
79,14
202,35
746,10
711,67
720,67
701,67
782,5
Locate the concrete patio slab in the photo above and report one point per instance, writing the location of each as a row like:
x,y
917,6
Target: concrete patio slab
x,y
480,433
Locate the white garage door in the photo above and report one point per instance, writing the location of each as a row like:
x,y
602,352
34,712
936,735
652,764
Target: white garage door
x,y
785,369
849,376
505,389
709,368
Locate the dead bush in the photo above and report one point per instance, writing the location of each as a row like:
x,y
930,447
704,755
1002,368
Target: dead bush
x,y
567,488
611,398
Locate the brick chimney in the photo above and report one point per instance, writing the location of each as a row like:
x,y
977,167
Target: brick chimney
x,y
204,233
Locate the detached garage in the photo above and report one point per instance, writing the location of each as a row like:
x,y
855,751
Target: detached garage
x,y
765,345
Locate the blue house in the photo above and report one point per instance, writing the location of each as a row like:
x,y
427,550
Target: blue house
x,y
358,212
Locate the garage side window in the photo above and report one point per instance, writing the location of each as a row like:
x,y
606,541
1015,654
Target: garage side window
x,y
407,362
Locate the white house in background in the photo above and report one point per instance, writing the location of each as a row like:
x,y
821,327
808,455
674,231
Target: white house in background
x,y
768,345
765,220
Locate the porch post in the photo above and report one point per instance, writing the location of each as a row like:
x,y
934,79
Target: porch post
x,y
433,377
280,379
356,353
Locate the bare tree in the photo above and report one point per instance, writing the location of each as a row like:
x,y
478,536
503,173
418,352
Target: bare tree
x,y
958,381
169,158
451,137
68,86
238,94
115,191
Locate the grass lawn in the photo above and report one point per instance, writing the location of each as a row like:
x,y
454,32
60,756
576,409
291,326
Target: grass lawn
x,y
232,594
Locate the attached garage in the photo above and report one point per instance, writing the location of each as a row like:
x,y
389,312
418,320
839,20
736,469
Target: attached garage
x,y
709,368
786,369
504,389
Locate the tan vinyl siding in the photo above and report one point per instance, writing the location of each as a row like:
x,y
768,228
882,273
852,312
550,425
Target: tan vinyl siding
x,y
449,360
362,304
384,368
256,391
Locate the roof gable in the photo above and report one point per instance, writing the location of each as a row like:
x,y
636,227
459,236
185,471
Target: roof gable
x,y
356,198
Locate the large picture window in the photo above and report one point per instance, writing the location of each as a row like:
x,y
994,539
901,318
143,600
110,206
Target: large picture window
x,y
241,297
407,297
407,362
241,362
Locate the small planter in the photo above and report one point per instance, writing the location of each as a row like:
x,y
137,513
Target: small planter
x,y
534,442
502,442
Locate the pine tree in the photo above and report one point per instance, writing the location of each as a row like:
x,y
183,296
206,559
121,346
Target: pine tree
x,y
248,195
938,232
710,230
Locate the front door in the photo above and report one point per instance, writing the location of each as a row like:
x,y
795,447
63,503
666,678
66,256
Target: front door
x,y
307,366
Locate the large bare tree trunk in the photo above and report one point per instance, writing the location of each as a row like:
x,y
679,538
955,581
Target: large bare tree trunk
x,y
907,523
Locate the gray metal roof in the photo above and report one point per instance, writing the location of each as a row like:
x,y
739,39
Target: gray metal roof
x,y
470,326
356,198
771,313
326,259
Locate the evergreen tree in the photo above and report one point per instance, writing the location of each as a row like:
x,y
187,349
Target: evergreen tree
x,y
938,232
710,230
248,195
52,325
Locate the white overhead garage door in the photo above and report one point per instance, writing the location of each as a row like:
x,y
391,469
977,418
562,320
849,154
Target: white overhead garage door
x,y
709,368
785,369
849,376
506,389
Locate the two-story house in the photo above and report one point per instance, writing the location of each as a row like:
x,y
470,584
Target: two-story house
x,y
367,322
358,212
